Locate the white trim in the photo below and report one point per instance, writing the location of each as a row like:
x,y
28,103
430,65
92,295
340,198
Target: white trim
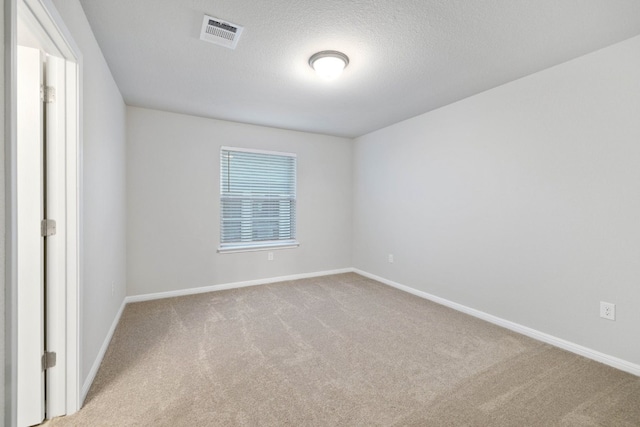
x,y
57,253
233,285
10,403
53,24
230,248
255,150
74,222
615,362
103,350
612,361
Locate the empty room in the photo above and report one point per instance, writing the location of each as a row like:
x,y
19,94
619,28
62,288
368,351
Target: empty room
x,y
337,213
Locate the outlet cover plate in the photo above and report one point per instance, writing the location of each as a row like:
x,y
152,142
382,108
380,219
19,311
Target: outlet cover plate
x,y
607,310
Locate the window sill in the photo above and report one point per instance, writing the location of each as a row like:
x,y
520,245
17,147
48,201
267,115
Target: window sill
x,y
253,247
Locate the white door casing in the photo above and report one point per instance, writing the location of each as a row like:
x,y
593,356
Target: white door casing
x,y
55,271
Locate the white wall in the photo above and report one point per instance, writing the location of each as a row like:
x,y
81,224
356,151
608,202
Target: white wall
x,y
103,192
173,202
522,202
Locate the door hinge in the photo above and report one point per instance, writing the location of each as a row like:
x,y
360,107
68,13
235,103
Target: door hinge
x,y
48,94
48,227
48,360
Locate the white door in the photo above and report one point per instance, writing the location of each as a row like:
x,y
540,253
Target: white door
x,y
30,210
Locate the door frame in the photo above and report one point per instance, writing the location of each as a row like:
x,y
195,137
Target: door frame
x,y
66,327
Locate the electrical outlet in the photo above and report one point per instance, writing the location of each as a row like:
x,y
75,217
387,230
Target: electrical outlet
x,y
391,258
270,256
607,310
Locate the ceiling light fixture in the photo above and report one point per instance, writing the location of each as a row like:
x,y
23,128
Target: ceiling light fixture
x,y
329,63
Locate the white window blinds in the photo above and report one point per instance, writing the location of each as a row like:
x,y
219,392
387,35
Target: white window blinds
x,y
257,199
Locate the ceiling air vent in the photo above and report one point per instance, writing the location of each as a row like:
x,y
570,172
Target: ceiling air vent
x,y
220,32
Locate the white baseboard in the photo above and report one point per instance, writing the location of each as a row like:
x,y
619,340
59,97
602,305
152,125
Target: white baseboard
x,y
96,364
612,361
233,285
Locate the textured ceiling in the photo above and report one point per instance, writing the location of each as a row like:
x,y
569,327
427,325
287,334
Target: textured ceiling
x,y
407,57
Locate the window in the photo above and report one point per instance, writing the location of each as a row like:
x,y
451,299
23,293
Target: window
x,y
257,199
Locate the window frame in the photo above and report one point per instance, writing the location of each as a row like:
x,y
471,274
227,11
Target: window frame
x,y
259,245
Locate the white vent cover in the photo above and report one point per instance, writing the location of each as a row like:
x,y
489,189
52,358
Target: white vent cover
x,y
220,32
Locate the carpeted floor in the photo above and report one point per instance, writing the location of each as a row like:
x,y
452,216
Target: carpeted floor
x,y
340,350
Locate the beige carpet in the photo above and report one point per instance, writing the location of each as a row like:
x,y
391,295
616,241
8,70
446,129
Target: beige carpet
x,y
340,351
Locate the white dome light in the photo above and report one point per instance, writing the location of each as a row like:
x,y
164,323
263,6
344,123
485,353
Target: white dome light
x,y
329,63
